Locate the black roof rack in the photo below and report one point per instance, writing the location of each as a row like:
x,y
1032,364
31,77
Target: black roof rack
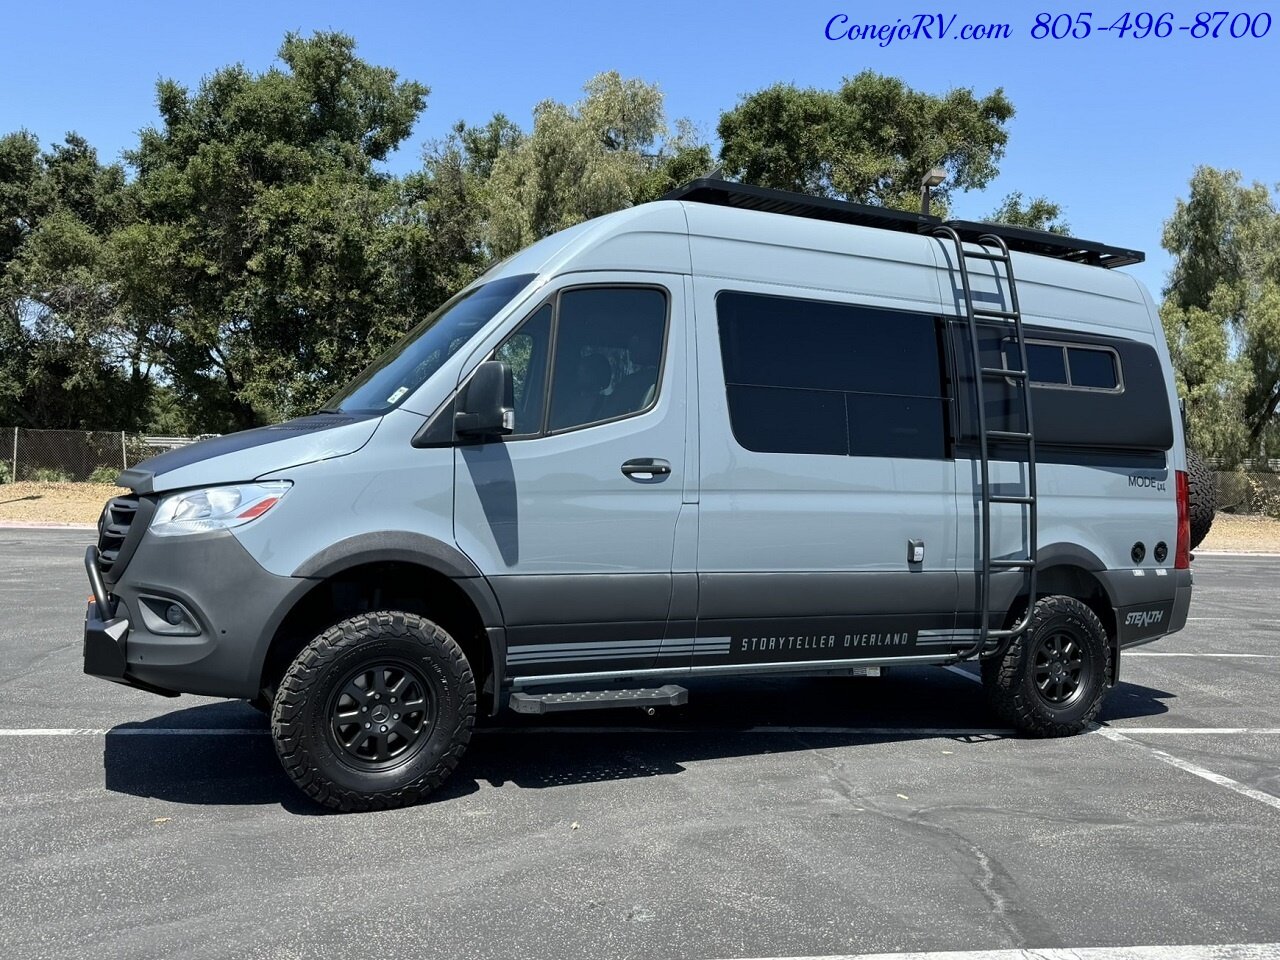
x,y
726,193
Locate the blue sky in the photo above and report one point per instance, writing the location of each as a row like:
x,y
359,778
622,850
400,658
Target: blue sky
x,y
1110,127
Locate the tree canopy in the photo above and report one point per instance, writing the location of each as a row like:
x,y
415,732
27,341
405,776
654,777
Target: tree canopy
x,y
252,252
1221,312
870,141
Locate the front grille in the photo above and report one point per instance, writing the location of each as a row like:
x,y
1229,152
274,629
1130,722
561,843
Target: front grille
x,y
113,527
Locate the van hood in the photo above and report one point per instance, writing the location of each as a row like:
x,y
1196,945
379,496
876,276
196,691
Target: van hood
x,y
244,456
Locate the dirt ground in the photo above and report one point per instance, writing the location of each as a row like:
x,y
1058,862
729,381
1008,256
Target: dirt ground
x,y
80,503
1248,534
54,502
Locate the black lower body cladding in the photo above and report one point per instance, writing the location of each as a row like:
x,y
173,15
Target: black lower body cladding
x,y
235,603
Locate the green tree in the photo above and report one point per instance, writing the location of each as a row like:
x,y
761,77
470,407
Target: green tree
x,y
260,196
1037,213
20,170
60,359
870,141
610,150
1222,310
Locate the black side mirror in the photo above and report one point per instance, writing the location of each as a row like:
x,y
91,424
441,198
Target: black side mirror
x,y
487,405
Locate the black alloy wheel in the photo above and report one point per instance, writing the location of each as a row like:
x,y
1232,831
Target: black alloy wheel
x,y
381,714
1059,663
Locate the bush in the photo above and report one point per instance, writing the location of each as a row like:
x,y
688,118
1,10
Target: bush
x,y
5,475
1266,494
48,475
104,475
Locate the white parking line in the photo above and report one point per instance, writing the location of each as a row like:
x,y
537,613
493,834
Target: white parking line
x,y
482,731
1241,656
1203,731
1220,951
1241,619
656,730
1189,767
131,731
1234,554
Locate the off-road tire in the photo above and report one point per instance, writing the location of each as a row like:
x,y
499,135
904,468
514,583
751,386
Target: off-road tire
x,y
1202,495
302,713
1011,682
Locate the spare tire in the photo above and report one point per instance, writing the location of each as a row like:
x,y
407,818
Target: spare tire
x,y
1202,492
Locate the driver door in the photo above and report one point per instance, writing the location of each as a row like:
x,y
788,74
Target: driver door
x,y
572,518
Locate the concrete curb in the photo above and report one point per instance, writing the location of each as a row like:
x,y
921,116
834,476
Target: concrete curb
x,y
1234,553
36,525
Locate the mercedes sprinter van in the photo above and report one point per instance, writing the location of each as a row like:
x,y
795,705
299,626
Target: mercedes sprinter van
x,y
732,432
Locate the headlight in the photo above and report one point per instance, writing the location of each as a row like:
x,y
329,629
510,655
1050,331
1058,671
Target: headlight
x,y
215,508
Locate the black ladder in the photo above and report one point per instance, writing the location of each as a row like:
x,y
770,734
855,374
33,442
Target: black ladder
x,y
1011,320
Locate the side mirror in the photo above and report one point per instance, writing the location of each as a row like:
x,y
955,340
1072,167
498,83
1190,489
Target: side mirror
x,y
487,405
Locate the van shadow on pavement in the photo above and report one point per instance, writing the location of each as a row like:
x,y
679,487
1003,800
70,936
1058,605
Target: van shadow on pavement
x,y
237,769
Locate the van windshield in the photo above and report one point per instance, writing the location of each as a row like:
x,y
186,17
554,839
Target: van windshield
x,y
406,366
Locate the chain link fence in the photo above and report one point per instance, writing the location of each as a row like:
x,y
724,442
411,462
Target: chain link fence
x,y
1249,491
1249,487
67,455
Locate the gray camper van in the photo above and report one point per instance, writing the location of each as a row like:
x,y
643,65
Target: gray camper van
x,y
732,432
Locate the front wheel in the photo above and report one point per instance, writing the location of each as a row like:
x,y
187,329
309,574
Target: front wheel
x,y
1052,679
375,712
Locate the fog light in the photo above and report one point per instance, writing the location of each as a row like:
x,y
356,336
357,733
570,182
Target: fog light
x,y
168,617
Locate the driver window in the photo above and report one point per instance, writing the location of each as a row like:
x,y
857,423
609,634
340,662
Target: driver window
x,y
608,354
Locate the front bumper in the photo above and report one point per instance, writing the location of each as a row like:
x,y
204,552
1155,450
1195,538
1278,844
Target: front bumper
x,y
106,636
235,607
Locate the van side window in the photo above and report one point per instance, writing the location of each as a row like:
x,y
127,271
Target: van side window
x,y
810,376
1068,366
608,354
1092,369
526,352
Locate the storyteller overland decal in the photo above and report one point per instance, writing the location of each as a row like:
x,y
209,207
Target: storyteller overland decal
x,y
848,641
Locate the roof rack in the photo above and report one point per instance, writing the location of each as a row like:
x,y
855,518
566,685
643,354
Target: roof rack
x,y
744,196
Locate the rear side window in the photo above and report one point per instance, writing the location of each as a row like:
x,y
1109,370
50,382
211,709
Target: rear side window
x,y
1066,365
1092,369
1093,395
810,376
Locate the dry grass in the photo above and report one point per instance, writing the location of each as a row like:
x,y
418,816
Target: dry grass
x,y
1251,534
54,502
82,502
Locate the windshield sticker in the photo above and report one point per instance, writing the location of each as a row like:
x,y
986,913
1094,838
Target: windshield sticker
x,y
397,395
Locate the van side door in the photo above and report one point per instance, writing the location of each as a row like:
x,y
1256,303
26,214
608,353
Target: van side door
x,y
572,518
827,499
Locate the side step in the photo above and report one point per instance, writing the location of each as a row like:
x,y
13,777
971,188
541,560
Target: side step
x,y
664,696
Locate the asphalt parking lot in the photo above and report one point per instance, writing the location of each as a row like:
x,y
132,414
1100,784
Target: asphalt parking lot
x,y
797,818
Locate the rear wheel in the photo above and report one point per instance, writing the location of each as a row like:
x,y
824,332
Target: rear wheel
x,y
1053,678
375,712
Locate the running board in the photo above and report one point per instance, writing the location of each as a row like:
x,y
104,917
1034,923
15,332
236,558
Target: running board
x,y
668,695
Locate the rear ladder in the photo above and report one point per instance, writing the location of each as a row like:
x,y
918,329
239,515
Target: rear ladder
x,y
1011,320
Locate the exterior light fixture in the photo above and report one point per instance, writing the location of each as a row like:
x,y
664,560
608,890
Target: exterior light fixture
x,y
931,179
